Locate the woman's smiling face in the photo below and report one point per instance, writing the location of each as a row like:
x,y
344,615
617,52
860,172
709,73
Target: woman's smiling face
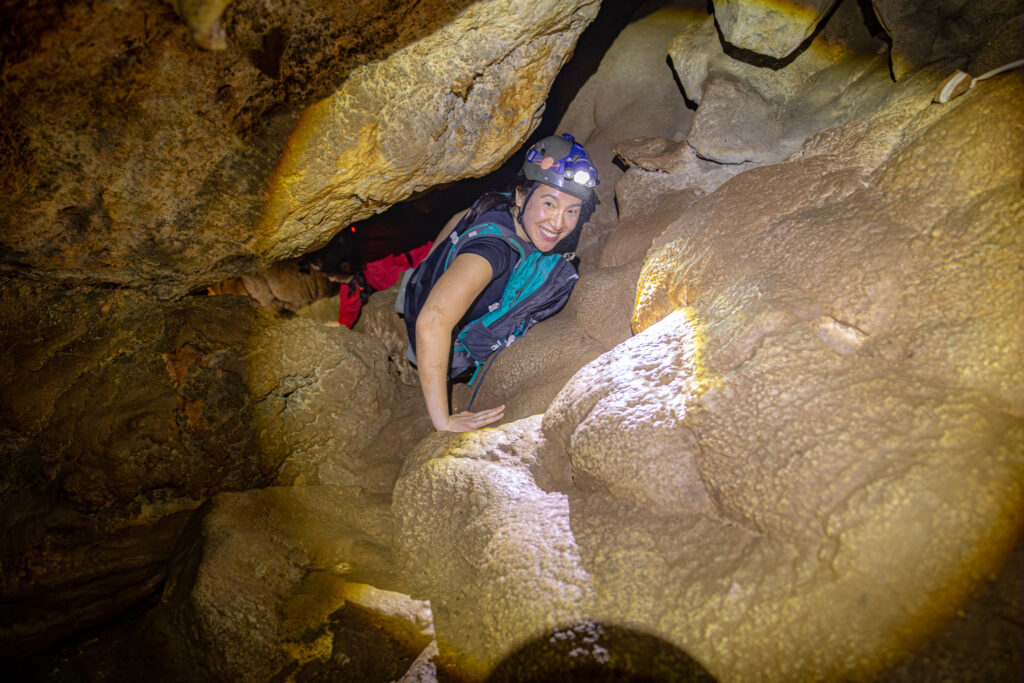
x,y
550,216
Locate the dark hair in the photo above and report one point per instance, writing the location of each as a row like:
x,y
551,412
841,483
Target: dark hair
x,y
491,200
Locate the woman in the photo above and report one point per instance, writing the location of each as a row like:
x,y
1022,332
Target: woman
x,y
478,252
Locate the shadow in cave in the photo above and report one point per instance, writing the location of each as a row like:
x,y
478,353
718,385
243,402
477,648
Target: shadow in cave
x,y
599,653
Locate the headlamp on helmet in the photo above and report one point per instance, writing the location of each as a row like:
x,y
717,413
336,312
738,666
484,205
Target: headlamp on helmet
x,y
561,162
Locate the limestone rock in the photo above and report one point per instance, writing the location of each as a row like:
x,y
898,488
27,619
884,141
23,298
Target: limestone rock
x,y
145,161
320,394
120,414
771,29
265,582
753,113
439,109
834,361
485,544
378,319
838,434
925,32
620,421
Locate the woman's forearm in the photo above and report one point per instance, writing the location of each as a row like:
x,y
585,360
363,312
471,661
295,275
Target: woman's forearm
x,y
449,299
433,347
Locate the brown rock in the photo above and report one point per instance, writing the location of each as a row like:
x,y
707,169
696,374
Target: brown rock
x,y
262,579
840,409
772,29
119,411
145,161
512,544
320,394
751,112
922,35
462,108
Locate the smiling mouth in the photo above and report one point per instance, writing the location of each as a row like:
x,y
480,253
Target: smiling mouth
x,y
547,234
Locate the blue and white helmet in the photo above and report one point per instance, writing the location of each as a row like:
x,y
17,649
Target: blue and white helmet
x,y
562,163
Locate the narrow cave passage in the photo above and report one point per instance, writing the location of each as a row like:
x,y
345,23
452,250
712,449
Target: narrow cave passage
x,y
197,490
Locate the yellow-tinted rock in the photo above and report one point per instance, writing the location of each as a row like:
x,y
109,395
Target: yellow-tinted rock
x,y
452,105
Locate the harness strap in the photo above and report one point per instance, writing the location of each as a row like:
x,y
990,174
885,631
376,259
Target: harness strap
x,y
486,366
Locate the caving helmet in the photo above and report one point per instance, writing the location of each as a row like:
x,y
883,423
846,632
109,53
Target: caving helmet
x,y
562,163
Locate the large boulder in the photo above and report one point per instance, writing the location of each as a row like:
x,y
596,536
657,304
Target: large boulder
x,y
771,29
752,112
267,581
440,109
808,459
146,161
494,553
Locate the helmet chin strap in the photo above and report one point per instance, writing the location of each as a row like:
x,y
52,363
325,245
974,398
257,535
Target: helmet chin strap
x,y
519,216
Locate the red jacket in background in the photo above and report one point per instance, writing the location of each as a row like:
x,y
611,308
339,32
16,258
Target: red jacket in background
x,y
378,275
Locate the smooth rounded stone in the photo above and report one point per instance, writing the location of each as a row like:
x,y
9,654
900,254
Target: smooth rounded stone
x,y
769,28
620,422
493,553
526,376
839,76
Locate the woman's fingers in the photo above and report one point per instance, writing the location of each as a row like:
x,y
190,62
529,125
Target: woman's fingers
x,y
467,421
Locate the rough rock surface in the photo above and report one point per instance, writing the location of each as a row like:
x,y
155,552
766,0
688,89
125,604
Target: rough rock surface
x,y
923,32
847,460
261,577
122,412
143,160
440,109
320,396
118,410
774,29
805,461
515,546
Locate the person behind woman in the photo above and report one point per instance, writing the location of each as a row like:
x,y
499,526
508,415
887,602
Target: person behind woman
x,y
551,199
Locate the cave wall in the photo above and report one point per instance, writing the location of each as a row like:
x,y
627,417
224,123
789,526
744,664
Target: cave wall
x,y
140,167
674,484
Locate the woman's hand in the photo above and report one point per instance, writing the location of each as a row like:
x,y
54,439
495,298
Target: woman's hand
x,y
448,301
467,421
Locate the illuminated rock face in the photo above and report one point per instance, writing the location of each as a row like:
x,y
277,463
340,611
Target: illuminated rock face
x,y
830,376
146,161
804,460
443,108
770,27
841,74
